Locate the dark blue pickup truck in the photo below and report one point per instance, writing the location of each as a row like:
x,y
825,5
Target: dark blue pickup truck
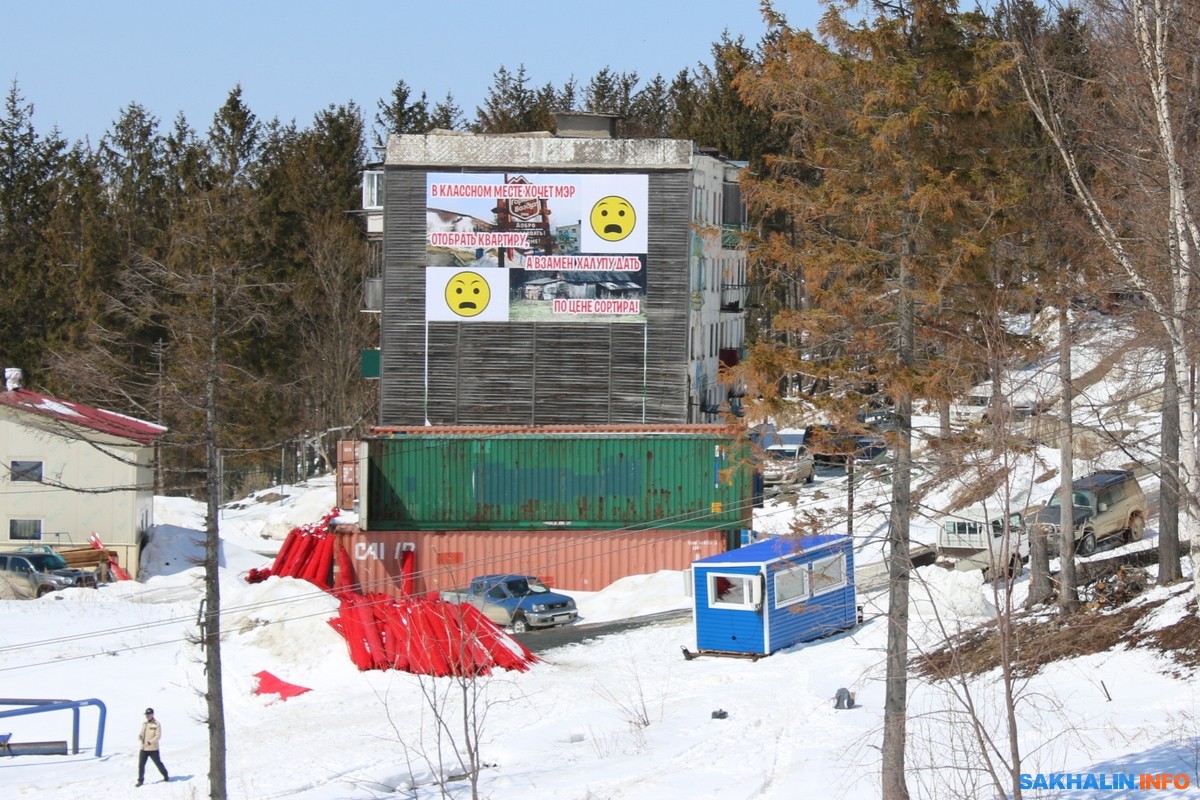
x,y
519,602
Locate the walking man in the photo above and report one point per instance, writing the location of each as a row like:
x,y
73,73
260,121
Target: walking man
x,y
151,733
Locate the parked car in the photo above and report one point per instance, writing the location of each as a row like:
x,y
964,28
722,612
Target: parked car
x,y
1104,504
866,440
785,465
33,574
975,539
1024,393
518,602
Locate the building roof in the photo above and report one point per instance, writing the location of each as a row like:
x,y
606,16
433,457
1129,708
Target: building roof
x,y
79,415
674,429
775,549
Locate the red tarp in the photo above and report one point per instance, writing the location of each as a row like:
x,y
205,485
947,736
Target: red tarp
x,y
269,684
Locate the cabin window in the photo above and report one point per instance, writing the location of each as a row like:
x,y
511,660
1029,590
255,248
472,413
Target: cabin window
x,y
828,574
732,591
25,529
25,471
791,586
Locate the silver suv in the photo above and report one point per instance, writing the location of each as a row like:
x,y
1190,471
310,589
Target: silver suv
x,y
787,464
33,574
1106,503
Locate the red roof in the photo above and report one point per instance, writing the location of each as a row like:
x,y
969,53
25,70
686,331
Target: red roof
x,y
96,419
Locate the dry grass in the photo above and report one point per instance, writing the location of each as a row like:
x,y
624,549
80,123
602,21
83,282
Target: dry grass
x,y
1044,637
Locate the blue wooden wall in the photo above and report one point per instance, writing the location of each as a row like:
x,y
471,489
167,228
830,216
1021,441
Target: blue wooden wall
x,y
767,629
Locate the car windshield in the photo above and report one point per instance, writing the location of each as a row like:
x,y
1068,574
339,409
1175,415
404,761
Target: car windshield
x,y
523,586
1078,499
783,453
46,562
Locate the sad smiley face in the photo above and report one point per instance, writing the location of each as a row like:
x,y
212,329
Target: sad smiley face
x,y
467,294
613,218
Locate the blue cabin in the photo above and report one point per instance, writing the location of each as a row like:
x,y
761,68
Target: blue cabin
x,y
764,597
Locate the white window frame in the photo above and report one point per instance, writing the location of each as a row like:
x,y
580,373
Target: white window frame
x,y
750,594
17,475
819,565
799,572
372,189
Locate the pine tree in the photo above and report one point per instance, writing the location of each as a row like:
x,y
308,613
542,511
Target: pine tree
x,y
29,164
447,115
402,114
875,207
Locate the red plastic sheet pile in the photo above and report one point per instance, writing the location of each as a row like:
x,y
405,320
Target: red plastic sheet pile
x,y
425,637
306,553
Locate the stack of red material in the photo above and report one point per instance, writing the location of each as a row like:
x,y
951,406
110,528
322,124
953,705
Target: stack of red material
x,y
424,636
306,553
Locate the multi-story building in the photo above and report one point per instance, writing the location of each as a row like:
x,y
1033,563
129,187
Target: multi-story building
x,y
568,278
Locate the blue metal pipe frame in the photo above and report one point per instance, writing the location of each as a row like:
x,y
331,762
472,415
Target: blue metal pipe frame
x,y
43,706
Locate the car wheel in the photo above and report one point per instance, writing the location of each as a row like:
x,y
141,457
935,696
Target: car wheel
x,y
1087,545
812,475
1137,529
1015,566
520,624
42,591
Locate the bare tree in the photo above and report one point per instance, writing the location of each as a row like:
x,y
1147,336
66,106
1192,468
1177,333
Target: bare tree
x,y
1146,147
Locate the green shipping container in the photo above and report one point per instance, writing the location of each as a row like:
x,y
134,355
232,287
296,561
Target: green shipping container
x,y
692,477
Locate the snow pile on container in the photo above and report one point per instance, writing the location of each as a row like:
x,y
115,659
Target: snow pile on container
x,y
424,636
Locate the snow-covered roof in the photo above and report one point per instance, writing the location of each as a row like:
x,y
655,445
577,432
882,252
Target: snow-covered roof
x,y
96,419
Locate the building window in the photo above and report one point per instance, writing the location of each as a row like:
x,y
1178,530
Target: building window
x,y
732,591
26,471
25,529
372,194
791,586
828,574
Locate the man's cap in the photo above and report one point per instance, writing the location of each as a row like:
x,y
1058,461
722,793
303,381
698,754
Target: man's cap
x,y
149,710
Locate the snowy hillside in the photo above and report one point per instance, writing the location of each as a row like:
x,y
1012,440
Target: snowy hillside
x,y
622,717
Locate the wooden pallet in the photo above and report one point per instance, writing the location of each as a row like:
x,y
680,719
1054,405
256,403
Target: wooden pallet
x,y
689,655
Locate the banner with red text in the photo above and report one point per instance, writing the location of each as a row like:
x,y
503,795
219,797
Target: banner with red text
x,y
573,246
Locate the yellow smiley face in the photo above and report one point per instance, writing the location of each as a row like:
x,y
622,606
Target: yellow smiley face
x,y
467,294
613,218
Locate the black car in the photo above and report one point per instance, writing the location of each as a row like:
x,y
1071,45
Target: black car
x,y
866,440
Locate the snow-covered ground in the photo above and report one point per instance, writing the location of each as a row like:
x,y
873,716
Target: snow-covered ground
x,y
620,717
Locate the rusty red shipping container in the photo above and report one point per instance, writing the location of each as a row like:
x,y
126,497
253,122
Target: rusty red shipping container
x,y
579,560
347,473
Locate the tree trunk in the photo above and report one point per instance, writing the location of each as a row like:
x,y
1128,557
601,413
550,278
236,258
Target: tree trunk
x,y
1068,592
895,704
212,589
1170,568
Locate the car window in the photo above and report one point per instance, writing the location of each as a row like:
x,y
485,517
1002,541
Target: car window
x,y
496,592
47,562
518,586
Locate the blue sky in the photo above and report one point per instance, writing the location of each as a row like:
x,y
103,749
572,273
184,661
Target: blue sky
x,y
80,62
